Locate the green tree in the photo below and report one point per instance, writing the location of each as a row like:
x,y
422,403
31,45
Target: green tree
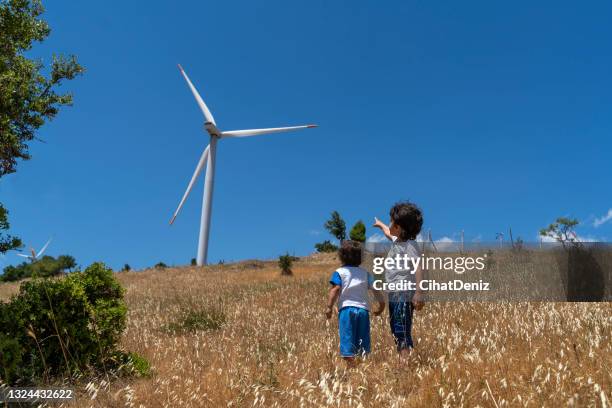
x,y
326,246
562,230
358,232
43,267
7,242
15,273
66,262
29,94
126,268
284,263
336,226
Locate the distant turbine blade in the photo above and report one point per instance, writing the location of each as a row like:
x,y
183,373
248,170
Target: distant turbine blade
x,y
43,248
23,255
256,132
196,173
203,107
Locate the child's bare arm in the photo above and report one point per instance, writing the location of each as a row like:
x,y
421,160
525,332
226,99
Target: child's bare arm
x,y
332,297
384,228
418,299
381,302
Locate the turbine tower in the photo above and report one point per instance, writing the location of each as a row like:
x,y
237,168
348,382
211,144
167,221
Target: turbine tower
x,y
500,237
209,158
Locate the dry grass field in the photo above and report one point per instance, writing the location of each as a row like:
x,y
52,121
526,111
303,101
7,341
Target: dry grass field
x,y
241,335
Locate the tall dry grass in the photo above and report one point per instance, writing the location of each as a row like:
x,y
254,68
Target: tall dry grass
x,y
274,348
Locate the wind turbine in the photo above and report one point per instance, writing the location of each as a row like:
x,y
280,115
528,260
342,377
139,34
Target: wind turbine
x,y
500,237
433,244
33,255
209,158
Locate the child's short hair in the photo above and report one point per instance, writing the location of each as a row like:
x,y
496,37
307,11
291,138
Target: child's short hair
x,y
350,253
408,217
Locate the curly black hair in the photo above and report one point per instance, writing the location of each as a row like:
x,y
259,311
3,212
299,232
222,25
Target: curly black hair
x,y
408,217
350,253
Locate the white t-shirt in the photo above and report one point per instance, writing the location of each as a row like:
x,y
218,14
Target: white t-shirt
x,y
354,283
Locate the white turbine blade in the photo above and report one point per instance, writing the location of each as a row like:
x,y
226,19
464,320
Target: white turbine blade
x,y
256,132
23,255
197,171
203,107
43,248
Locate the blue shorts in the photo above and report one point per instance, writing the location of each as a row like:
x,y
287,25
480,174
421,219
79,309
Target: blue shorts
x,y
400,319
354,328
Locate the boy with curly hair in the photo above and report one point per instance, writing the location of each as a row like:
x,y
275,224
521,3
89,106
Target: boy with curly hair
x,y
406,223
349,287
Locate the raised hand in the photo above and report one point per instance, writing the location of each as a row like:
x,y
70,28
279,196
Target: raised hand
x,y
378,224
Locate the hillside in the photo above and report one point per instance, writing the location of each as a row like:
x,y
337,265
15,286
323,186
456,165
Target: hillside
x,y
240,334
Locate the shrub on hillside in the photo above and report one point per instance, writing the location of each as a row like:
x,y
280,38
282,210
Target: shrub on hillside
x,y
62,327
44,267
192,320
138,365
284,263
326,246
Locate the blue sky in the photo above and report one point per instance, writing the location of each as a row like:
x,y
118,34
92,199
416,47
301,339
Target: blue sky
x,y
486,114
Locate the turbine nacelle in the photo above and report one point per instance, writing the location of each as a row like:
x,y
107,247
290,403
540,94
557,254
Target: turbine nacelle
x,y
33,255
212,129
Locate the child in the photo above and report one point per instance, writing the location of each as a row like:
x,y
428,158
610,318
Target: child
x,y
350,286
406,223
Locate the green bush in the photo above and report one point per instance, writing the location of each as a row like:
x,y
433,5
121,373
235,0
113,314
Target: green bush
x,y
206,319
10,357
43,267
138,364
61,327
326,246
284,263
105,296
14,273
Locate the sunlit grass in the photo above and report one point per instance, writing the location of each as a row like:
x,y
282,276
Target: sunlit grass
x,y
273,347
